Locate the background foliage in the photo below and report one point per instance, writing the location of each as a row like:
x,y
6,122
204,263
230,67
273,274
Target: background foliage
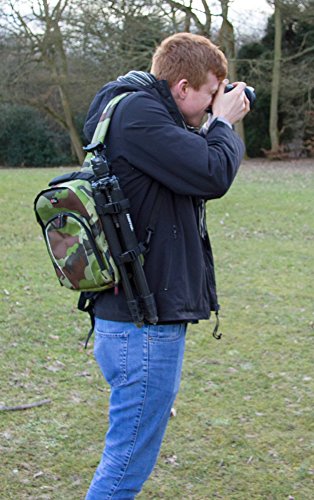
x,y
56,55
30,138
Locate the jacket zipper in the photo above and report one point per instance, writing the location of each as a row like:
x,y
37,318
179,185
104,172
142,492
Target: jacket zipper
x,y
167,282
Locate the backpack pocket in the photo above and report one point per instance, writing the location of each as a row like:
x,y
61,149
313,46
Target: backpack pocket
x,y
77,260
74,237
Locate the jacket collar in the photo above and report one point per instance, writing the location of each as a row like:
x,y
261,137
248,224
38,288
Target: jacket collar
x,y
163,89
130,84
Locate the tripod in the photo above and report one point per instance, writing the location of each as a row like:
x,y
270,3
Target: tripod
x,y
112,208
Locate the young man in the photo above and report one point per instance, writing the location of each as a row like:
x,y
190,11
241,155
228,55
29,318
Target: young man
x,y
156,150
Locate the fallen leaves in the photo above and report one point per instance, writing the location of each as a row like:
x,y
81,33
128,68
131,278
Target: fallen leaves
x,y
55,367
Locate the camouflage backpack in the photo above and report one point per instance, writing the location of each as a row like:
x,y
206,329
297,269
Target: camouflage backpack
x,y
71,226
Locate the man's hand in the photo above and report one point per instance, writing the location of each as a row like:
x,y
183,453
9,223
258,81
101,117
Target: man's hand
x,y
232,106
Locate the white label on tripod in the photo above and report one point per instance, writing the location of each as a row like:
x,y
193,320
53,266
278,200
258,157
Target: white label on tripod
x,y
130,222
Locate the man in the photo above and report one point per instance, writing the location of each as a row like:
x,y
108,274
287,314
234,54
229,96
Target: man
x,y
156,150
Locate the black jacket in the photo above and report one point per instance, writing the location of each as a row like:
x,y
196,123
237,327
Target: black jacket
x,y
154,154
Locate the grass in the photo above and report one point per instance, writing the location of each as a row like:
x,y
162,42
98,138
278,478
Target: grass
x,y
244,427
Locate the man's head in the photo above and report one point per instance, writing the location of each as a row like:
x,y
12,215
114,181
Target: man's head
x,y
193,67
188,56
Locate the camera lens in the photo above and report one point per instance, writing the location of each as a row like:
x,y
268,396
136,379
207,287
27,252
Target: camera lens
x,y
249,92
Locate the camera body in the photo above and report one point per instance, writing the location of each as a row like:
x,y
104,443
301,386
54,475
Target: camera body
x,y
249,92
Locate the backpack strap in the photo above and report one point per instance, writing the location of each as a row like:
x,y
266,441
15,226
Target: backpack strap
x,y
103,126
86,304
104,120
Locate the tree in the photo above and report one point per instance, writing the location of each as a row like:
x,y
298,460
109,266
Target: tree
x,y
58,54
297,73
39,37
121,35
292,35
254,64
195,18
275,83
226,40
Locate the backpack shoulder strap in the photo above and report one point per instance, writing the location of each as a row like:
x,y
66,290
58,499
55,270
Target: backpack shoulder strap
x,y
103,126
105,118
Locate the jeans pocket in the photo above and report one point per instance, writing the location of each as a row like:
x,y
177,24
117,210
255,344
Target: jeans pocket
x,y
166,345
110,350
166,333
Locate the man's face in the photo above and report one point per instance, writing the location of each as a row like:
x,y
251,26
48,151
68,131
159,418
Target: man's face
x,y
193,103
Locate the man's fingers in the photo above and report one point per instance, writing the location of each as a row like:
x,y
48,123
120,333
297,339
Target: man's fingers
x,y
239,87
222,86
233,105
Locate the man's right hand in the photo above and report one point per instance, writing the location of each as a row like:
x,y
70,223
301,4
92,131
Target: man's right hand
x,y
232,106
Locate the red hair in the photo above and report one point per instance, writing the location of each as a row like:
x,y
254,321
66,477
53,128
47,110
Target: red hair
x,y
185,55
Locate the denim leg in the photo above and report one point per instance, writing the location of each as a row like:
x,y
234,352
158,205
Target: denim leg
x,y
143,368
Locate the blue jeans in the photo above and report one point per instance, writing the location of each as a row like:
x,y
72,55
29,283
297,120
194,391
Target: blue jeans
x,y
143,368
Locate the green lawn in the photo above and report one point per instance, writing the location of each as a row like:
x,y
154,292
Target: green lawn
x,y
244,424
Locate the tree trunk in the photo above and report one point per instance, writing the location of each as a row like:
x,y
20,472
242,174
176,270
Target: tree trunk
x,y
59,64
226,40
74,136
275,84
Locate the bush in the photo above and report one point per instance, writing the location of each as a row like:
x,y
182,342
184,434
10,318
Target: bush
x,y
29,139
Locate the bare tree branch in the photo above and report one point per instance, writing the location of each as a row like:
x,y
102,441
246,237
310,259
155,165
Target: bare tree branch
x,y
25,406
298,54
188,10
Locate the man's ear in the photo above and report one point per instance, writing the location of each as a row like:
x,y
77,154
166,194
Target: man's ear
x,y
180,89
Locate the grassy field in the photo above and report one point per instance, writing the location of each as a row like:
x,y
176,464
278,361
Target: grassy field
x,y
244,424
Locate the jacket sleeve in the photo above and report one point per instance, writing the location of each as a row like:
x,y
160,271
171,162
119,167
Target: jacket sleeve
x,y
186,163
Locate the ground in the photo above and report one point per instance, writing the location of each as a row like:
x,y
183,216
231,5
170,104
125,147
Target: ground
x,y
243,428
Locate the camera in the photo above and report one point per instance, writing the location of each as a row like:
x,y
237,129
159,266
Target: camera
x,y
249,92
